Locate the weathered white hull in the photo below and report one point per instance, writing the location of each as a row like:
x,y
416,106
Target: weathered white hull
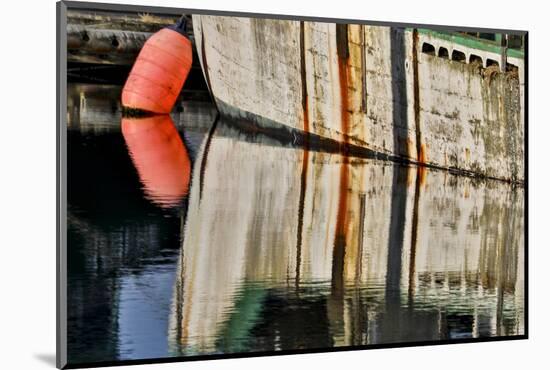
x,y
366,86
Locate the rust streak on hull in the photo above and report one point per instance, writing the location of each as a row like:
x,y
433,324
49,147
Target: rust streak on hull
x,y
341,218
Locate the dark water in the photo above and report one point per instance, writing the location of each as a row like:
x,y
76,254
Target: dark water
x,y
234,242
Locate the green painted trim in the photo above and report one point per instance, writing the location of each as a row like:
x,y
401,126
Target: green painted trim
x,y
472,42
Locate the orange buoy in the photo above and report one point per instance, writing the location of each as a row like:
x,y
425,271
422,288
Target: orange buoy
x,y
159,71
160,157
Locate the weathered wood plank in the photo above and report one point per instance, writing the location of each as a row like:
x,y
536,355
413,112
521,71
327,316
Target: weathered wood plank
x,y
123,21
104,41
87,44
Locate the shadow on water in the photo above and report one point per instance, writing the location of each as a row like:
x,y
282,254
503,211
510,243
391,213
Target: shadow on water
x,y
46,358
271,248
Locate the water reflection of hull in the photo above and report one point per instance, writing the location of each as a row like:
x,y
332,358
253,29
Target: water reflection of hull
x,y
377,253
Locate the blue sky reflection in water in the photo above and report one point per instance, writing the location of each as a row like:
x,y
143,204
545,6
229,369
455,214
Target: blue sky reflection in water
x,y
251,258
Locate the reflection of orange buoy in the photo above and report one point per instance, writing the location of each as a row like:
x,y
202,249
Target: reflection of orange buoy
x,y
159,71
160,157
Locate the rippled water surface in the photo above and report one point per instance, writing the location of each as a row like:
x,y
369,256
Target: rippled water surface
x,y
188,239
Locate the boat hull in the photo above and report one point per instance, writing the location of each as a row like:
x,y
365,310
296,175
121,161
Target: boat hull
x,y
367,87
